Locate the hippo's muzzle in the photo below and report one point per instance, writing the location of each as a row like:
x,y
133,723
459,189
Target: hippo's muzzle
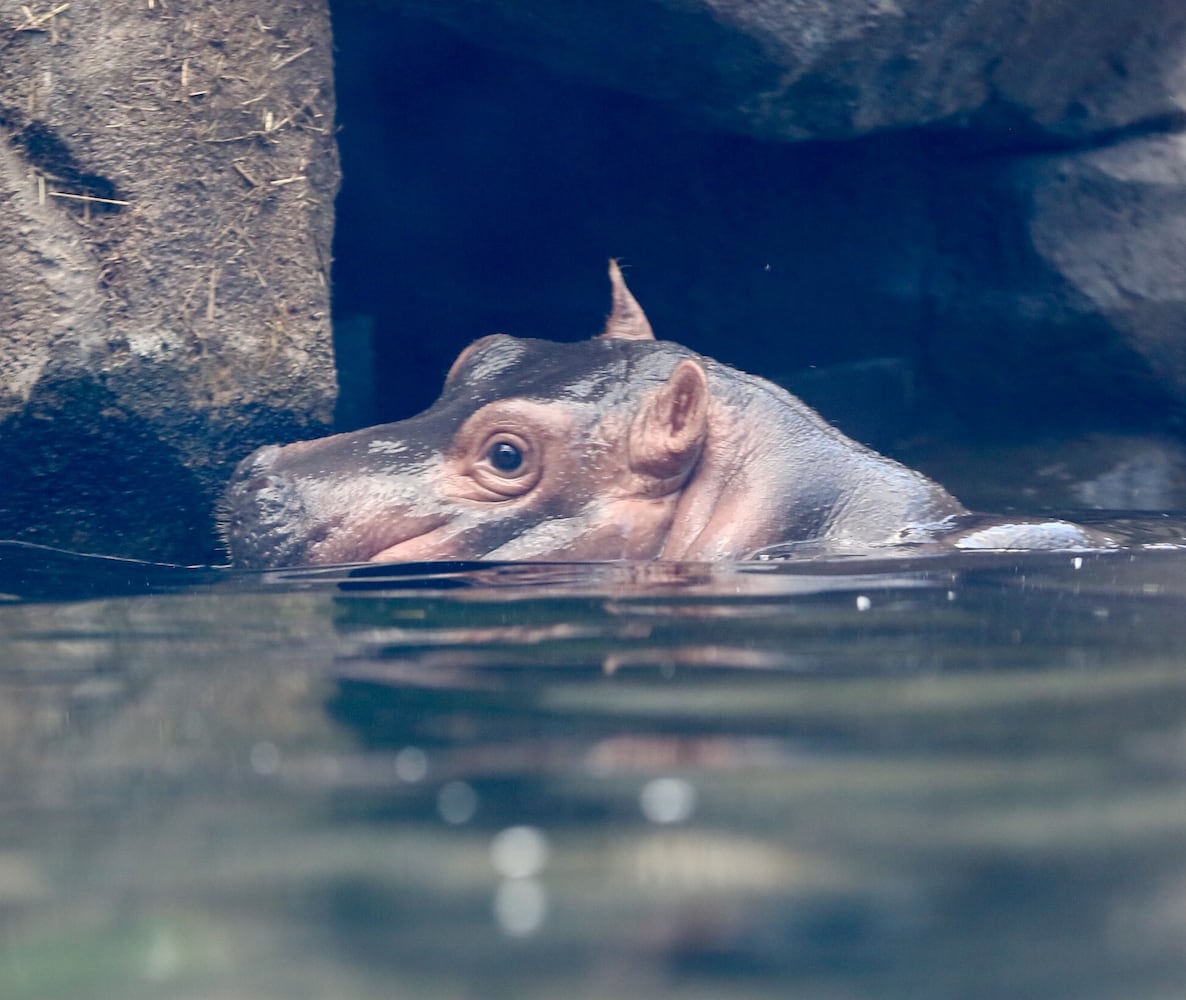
x,y
263,512
344,499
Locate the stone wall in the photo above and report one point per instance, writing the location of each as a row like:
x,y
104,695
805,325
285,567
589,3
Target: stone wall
x,y
167,176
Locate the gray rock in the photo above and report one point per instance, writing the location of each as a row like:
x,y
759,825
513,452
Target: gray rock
x,y
809,69
1110,224
167,178
1062,277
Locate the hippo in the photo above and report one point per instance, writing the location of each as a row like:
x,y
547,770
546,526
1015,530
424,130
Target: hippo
x,y
618,447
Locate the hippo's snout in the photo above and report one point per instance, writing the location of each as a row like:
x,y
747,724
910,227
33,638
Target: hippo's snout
x,y
262,508
331,500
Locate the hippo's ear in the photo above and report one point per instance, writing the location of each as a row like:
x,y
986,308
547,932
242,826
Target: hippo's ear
x,y
668,431
627,321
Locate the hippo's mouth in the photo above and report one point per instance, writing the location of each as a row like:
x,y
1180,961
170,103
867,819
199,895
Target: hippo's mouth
x,y
265,542
262,537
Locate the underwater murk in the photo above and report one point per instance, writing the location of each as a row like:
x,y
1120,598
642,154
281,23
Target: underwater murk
x,y
933,776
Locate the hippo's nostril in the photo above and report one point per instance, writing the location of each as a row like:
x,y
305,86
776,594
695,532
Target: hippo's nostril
x,y
261,482
275,497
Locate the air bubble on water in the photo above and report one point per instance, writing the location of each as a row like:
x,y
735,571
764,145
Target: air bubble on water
x,y
411,764
864,603
519,852
1077,562
667,800
457,802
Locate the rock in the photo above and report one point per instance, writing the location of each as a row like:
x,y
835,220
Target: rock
x,y
1110,224
814,69
167,177
1060,286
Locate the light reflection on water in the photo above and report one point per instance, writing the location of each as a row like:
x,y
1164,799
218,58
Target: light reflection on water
x,y
940,777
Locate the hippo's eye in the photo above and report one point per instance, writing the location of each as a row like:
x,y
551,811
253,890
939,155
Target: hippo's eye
x,y
505,456
505,466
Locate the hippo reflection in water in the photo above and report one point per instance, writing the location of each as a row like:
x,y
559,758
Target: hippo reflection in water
x,y
619,447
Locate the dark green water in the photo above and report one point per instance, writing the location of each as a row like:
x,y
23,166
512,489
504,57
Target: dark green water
x,y
939,778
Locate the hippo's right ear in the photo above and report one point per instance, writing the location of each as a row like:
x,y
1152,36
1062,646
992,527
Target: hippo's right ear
x,y
669,429
627,321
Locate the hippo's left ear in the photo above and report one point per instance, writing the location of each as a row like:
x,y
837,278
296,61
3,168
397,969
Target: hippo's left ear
x,y
627,321
669,429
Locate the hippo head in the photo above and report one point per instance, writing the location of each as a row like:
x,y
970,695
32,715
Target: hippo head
x,y
534,450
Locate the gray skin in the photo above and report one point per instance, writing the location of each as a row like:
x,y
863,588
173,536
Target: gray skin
x,y
620,447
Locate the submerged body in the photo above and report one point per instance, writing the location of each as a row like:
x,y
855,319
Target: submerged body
x,y
621,447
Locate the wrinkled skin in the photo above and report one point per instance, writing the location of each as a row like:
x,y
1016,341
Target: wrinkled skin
x,y
620,447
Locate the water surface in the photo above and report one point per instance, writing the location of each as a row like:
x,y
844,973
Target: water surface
x,y
944,777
